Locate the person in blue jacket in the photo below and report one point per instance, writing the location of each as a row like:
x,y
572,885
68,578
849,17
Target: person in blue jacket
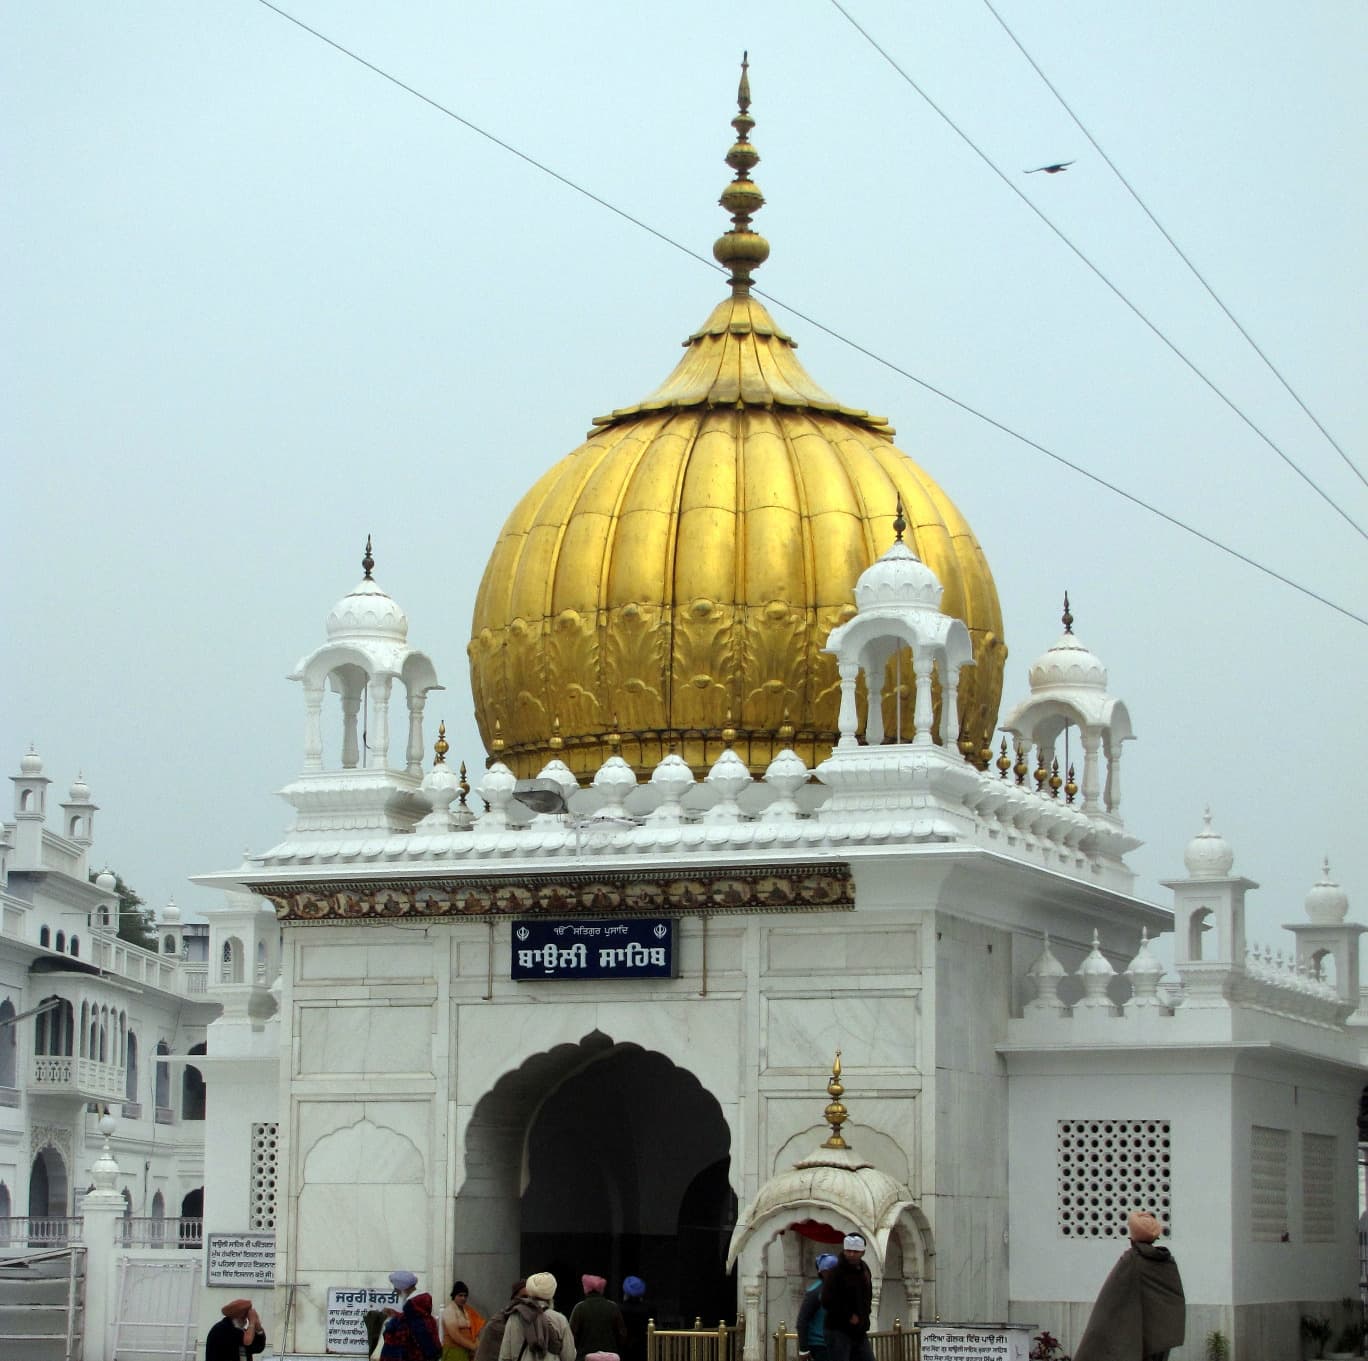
x,y
811,1323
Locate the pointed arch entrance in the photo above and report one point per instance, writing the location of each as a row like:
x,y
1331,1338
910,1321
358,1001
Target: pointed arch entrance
x,y
49,1190
605,1158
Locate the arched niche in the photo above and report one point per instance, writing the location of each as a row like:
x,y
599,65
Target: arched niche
x,y
600,1156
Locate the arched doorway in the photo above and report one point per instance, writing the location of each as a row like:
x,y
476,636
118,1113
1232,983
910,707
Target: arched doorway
x,y
49,1189
604,1158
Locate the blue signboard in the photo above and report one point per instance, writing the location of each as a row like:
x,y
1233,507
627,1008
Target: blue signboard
x,y
634,947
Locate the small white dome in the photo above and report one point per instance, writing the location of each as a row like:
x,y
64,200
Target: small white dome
x,y
80,791
30,763
1068,662
898,578
367,612
1327,904
1145,965
170,914
1096,964
105,881
1208,854
1046,965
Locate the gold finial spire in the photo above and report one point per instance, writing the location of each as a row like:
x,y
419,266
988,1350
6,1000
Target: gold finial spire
x,y
1071,788
557,742
729,731
1068,618
368,562
1004,762
440,746
464,787
835,1113
899,521
741,250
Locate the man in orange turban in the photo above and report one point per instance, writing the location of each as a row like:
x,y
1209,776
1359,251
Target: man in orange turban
x,y
237,1334
1140,1312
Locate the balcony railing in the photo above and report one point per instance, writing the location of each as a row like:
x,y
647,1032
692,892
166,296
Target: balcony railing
x,y
46,1231
195,977
137,1232
66,1075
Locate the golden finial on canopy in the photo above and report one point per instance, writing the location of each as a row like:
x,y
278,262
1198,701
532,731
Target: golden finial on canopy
x,y
440,746
899,521
557,742
741,250
464,786
835,1113
496,747
1068,616
368,560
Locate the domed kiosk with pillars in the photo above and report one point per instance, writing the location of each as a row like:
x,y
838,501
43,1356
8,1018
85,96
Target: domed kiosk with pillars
x,y
751,657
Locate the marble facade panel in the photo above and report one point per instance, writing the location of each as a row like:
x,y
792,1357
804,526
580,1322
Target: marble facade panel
x,y
874,1030
360,1039
843,947
697,1034
334,960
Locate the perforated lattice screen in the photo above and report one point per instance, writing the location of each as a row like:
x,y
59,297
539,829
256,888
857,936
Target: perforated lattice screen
x,y
1107,1168
1268,1156
1318,1187
265,1142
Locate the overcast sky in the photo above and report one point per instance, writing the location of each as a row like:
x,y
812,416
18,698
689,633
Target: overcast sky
x,y
260,302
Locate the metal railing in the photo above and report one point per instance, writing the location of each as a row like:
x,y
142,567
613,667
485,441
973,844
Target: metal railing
x,y
138,1231
698,1343
45,1231
73,1311
889,1344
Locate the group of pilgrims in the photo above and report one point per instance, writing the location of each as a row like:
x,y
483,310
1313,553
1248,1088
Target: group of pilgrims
x,y
527,1328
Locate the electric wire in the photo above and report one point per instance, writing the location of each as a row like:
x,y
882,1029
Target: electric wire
x,y
1096,270
1182,255
827,330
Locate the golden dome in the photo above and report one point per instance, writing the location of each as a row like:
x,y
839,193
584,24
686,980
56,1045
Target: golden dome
x,y
670,584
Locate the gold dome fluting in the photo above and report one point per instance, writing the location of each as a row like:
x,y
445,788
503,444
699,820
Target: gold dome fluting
x,y
679,572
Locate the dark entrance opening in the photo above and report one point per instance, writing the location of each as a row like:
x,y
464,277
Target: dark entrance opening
x,y
627,1163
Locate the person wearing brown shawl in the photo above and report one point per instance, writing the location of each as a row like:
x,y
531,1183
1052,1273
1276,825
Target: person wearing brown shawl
x,y
1140,1310
489,1342
533,1329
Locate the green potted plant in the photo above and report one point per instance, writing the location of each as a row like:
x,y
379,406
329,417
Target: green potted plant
x,y
1315,1328
1217,1346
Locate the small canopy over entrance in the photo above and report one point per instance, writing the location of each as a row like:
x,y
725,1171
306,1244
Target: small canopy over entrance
x,y
600,1158
813,1205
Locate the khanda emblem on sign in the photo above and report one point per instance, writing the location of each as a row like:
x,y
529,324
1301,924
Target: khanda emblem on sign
x,y
523,933
661,931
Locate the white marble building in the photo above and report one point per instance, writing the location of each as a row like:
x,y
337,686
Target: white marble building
x,y
762,707
85,1019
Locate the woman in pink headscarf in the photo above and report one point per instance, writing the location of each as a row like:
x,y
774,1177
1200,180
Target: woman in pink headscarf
x,y
595,1322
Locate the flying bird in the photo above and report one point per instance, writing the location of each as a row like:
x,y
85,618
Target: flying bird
x,y
1049,169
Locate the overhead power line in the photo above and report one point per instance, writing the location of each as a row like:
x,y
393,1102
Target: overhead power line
x,y
1182,255
1096,270
834,334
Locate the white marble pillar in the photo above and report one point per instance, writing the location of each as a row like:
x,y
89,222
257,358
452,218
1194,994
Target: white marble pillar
x,y
1113,790
351,747
950,724
849,714
313,727
413,754
101,1210
923,714
1092,741
378,736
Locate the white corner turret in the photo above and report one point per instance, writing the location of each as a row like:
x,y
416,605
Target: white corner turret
x,y
1069,689
1326,941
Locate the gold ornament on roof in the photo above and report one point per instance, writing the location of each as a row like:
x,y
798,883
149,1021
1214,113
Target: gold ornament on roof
x,y
464,786
368,560
692,556
835,1113
740,249
440,747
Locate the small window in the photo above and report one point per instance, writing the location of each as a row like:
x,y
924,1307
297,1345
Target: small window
x,y
168,944
75,947
45,938
61,942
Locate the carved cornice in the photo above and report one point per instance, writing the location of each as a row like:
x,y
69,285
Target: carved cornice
x,y
707,892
